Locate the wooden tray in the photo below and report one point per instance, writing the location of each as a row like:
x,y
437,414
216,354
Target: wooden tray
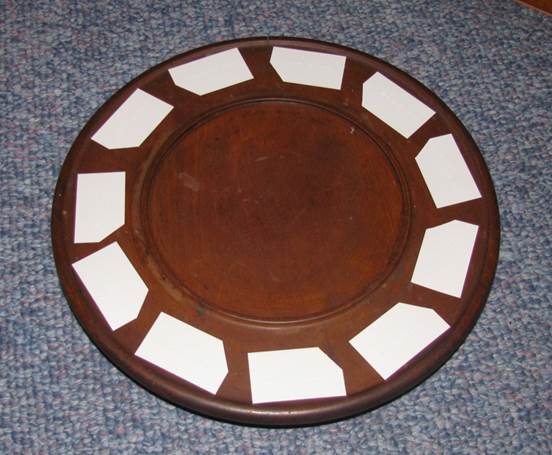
x,y
275,231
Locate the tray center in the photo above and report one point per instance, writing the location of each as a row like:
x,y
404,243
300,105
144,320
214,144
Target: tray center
x,y
276,211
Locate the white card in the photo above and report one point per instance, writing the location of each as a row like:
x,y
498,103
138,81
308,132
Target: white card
x,y
308,67
186,352
132,122
113,284
294,374
393,339
100,207
212,73
393,105
444,257
445,172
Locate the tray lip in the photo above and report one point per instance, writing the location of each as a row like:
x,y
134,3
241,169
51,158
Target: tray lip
x,y
275,415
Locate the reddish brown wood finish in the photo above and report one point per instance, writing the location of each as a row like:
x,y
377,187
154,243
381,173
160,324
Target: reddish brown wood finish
x,y
274,216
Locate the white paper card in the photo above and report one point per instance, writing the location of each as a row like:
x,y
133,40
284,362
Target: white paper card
x,y
446,173
186,352
113,284
212,73
308,67
393,105
444,257
397,336
294,374
100,207
132,122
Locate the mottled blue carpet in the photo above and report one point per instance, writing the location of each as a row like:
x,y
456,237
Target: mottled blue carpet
x,y
490,61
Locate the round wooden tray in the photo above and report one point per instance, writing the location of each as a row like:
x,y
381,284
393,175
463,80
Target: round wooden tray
x,y
275,231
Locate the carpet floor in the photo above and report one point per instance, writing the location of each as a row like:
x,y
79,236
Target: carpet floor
x,y
490,61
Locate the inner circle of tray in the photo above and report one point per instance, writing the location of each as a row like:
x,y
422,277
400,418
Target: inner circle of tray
x,y
275,231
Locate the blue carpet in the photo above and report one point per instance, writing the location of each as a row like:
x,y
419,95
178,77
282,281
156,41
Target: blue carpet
x,y
491,62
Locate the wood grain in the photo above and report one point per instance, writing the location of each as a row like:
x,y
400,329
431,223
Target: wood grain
x,y
276,216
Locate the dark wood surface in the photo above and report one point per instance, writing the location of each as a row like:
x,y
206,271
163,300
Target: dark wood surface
x,y
277,216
